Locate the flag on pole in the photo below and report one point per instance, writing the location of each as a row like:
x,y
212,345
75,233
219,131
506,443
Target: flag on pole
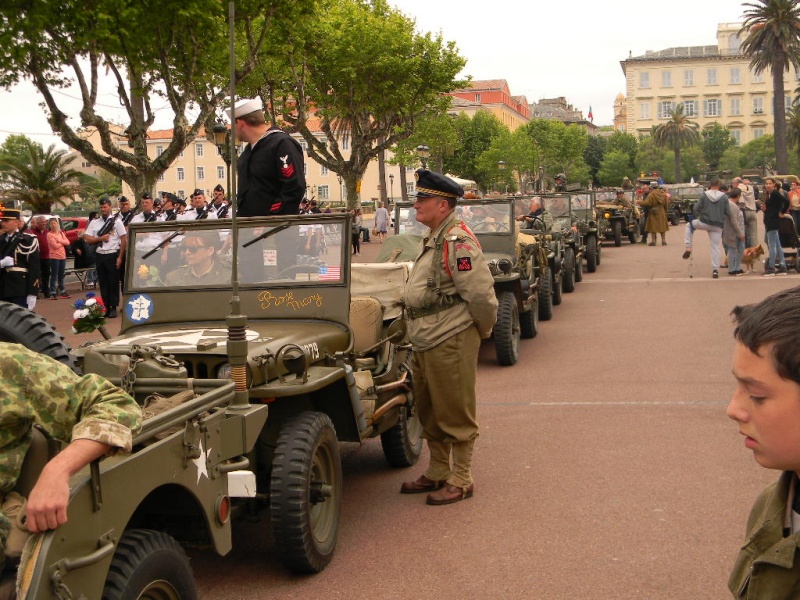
x,y
591,116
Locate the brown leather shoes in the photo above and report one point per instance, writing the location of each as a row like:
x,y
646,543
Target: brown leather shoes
x,y
420,486
450,494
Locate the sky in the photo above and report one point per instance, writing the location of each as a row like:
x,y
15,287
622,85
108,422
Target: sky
x,y
542,49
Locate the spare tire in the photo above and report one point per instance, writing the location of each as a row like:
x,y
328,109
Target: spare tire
x,y
22,326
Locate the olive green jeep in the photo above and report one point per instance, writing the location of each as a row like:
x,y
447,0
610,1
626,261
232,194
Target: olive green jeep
x,y
248,388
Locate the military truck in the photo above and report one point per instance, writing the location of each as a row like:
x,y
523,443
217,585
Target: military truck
x,y
258,382
573,222
517,262
615,220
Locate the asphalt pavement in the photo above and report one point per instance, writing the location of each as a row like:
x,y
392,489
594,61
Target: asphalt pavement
x,y
605,469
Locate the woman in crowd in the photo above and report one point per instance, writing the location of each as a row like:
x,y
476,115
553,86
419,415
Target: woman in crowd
x,y
58,243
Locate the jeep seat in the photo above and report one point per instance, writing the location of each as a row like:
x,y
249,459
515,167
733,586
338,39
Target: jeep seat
x,y
39,454
366,321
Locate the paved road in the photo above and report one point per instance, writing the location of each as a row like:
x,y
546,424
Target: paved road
x,y
606,468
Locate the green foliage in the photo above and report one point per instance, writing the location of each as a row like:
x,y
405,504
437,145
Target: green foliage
x,y
435,129
626,143
716,139
364,72
758,153
771,39
596,147
475,136
650,157
677,133
558,148
731,160
615,166
40,178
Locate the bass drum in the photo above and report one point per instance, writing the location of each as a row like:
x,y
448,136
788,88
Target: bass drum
x,y
22,326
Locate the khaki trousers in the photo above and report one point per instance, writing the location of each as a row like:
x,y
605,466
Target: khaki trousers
x,y
444,390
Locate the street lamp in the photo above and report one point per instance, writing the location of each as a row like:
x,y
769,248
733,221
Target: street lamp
x,y
341,200
501,165
391,188
424,153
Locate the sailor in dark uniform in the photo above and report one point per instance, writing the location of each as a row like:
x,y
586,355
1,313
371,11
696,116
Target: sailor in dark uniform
x,y
19,261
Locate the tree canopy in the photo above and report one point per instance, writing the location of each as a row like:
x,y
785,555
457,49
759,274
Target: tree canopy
x,y
716,139
677,133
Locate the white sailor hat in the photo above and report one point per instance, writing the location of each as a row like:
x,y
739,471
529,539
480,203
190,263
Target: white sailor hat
x,y
244,107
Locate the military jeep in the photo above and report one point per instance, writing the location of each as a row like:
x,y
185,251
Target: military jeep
x,y
615,220
516,261
259,381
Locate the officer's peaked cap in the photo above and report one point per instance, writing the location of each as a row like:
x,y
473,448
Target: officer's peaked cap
x,y
430,184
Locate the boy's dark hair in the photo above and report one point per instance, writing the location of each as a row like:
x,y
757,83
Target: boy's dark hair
x,y
774,321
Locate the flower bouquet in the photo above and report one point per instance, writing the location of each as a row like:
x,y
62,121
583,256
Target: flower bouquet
x,y
149,276
89,315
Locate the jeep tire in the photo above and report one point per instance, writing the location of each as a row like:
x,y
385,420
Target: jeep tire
x,y
591,254
506,329
545,296
555,285
402,443
306,492
568,271
22,326
617,227
149,564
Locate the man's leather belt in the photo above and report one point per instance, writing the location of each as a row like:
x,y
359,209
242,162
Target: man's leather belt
x,y
446,303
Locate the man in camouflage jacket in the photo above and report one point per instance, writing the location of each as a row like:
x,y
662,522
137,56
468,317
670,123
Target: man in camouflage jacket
x,y
89,413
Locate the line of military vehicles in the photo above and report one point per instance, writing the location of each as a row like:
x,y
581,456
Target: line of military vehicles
x,y
260,377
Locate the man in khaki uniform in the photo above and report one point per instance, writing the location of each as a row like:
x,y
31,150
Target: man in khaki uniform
x,y
450,305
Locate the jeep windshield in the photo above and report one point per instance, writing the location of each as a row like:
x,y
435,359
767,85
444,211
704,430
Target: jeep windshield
x,y
480,216
293,251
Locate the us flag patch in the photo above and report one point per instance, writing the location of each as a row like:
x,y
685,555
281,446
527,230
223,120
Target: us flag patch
x,y
464,264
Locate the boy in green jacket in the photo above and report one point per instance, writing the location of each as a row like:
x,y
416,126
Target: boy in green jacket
x,y
766,406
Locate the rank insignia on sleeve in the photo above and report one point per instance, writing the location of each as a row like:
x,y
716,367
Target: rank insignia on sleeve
x,y
464,264
287,170
466,247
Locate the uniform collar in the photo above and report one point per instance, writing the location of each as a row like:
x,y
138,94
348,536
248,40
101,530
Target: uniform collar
x,y
443,227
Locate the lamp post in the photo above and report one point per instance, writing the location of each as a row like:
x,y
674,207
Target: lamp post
x,y
391,188
541,179
501,165
222,140
341,199
424,153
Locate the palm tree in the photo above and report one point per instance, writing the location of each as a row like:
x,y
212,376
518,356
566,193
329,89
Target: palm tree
x,y
771,39
39,178
679,132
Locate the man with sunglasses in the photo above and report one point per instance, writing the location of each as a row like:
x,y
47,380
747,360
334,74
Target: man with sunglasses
x,y
450,305
199,251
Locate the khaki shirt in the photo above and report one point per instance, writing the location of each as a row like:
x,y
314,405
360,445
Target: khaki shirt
x,y
461,271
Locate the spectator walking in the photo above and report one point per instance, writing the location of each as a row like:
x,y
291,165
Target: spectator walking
x,y
709,216
57,243
355,226
774,206
747,202
656,205
733,233
39,229
381,221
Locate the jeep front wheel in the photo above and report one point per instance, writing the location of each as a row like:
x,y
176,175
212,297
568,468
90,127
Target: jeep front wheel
x,y
22,326
617,233
306,492
149,565
402,443
506,330
568,271
591,254
545,296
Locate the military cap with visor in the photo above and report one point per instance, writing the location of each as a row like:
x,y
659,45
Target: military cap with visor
x,y
430,184
10,213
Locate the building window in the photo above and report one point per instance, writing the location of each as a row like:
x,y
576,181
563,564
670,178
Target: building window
x,y
345,141
409,188
159,151
181,174
161,178
303,144
737,136
644,110
478,98
758,132
644,80
787,103
666,78
181,194
198,148
736,106
688,77
735,75
201,173
712,107
305,169
323,170
220,172
712,77
324,192
690,108
758,105
665,107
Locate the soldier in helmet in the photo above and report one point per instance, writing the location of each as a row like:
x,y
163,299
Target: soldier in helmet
x,y
451,305
561,183
19,261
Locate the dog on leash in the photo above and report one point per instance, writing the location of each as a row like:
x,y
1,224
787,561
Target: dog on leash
x,y
751,255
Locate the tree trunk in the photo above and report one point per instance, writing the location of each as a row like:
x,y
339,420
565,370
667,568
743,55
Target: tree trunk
x,y
779,113
403,186
382,175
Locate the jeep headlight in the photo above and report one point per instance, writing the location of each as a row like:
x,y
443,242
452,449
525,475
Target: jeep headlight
x,y
504,265
606,215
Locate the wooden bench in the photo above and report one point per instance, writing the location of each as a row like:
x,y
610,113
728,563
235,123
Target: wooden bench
x,y
80,275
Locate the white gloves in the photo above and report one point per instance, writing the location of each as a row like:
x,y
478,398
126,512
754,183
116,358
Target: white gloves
x,y
6,261
31,302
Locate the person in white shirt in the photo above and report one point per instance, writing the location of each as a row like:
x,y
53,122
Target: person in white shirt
x,y
109,234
